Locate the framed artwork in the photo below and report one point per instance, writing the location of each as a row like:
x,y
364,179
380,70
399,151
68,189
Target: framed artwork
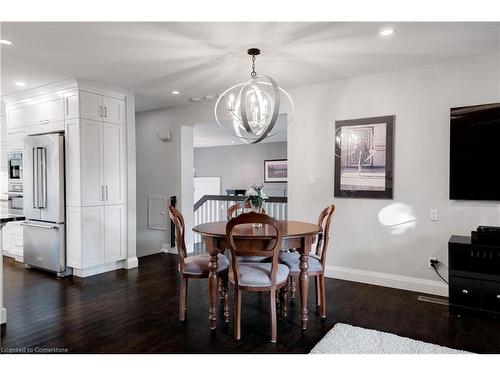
x,y
275,170
364,157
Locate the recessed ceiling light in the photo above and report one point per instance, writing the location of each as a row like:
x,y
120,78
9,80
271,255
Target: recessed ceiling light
x,y
175,92
388,31
20,83
208,97
195,100
5,41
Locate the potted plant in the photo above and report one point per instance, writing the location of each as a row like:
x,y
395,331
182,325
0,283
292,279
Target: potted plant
x,y
256,197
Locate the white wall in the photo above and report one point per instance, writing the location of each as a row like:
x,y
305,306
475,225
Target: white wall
x,y
363,248
240,166
159,165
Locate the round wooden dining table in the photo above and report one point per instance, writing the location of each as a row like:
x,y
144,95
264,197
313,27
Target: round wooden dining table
x,y
296,235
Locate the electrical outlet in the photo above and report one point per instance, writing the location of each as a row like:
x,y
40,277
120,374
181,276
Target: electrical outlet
x,y
432,259
312,179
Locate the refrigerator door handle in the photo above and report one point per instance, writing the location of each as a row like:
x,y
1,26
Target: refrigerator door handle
x,y
43,177
25,223
34,194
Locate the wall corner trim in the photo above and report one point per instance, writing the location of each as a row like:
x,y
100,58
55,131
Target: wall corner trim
x,y
388,280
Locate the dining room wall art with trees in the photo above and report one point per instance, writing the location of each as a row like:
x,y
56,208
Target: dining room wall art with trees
x,y
364,157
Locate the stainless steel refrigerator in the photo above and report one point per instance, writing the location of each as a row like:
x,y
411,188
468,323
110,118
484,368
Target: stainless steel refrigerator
x,y
44,230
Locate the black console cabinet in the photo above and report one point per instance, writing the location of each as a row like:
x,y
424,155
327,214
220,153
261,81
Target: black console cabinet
x,y
474,276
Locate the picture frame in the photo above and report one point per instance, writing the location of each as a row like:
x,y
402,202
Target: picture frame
x,y
276,171
364,150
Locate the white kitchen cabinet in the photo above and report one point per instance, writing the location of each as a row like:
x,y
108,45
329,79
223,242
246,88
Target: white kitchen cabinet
x,y
100,107
71,105
113,163
114,233
96,235
85,236
46,110
15,140
93,236
94,121
90,106
17,117
96,163
12,240
91,161
113,110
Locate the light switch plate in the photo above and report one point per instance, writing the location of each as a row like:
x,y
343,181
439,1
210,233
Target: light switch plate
x,y
312,179
434,214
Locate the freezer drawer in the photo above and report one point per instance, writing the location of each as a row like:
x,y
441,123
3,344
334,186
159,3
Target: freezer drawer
x,y
44,245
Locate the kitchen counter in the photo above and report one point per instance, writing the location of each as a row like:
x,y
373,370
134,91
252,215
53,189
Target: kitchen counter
x,y
5,217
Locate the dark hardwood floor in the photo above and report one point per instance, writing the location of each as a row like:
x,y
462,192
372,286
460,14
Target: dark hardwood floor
x,y
135,311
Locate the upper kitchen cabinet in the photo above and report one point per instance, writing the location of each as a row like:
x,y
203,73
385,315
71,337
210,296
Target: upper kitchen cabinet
x,y
102,108
47,109
113,110
90,106
17,116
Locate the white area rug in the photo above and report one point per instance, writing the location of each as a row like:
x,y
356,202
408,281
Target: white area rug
x,y
346,339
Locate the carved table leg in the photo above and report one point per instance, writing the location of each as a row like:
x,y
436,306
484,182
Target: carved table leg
x,y
293,287
304,288
212,281
284,301
304,279
225,295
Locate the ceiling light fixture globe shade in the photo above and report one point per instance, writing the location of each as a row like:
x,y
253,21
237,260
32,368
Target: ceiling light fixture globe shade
x,y
249,111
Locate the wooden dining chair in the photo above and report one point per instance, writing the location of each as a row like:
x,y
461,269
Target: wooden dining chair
x,y
317,263
256,276
232,211
196,266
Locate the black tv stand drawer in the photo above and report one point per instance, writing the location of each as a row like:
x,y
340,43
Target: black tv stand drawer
x,y
474,276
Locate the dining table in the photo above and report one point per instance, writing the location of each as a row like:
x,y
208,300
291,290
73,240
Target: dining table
x,y
297,235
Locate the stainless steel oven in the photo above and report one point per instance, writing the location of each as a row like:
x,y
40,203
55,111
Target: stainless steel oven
x,y
15,183
16,201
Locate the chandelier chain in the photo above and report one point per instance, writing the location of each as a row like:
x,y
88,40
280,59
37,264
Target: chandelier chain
x,y
254,73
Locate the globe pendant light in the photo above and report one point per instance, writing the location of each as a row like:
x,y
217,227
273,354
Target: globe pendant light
x,y
250,110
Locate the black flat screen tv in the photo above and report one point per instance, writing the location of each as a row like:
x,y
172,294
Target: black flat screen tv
x,y
475,152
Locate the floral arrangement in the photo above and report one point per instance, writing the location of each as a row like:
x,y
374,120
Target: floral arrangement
x,y
256,196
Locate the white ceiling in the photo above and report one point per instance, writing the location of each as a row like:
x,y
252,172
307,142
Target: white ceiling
x,y
198,59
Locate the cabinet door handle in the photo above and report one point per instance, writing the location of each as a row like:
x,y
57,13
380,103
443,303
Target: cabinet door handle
x,y
44,121
465,291
105,112
106,192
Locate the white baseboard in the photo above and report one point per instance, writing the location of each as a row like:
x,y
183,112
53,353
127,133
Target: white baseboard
x,y
3,315
173,250
130,263
389,280
165,248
